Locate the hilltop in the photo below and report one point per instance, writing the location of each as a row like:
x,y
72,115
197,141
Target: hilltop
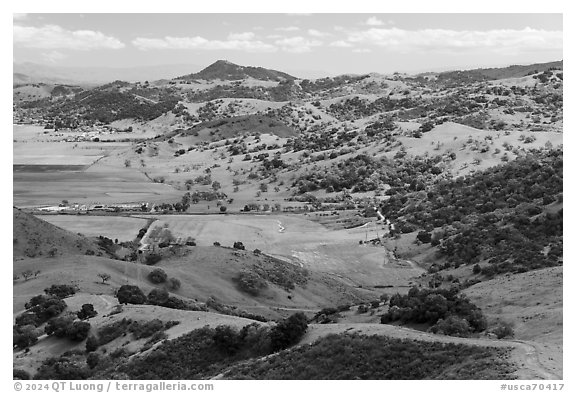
x,y
225,70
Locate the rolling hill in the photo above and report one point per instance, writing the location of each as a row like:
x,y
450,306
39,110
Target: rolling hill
x,y
32,237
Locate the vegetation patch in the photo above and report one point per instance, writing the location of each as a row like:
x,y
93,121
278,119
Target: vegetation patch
x,y
352,357
207,351
448,312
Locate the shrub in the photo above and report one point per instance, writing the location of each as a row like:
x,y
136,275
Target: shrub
x,y
157,276
61,291
452,326
64,327
174,283
92,360
428,306
424,236
64,367
21,375
59,326
502,330
152,259
158,297
146,329
25,336
27,318
92,344
250,282
288,331
130,294
87,312
78,331
112,331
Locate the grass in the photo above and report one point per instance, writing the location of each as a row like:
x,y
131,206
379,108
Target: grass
x,y
113,227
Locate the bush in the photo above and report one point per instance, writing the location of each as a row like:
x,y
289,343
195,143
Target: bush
x,y
92,344
130,294
87,312
27,318
146,329
59,326
24,336
64,327
21,375
428,306
92,360
288,331
158,297
174,283
61,291
502,330
452,326
78,331
112,331
424,236
152,259
64,367
157,276
251,282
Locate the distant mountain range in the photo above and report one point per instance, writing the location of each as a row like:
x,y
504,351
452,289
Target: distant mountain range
x,y
513,71
26,73
39,73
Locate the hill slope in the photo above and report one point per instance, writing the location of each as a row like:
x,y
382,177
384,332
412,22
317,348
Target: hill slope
x,y
33,237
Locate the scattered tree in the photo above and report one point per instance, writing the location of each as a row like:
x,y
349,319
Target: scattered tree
x,y
104,277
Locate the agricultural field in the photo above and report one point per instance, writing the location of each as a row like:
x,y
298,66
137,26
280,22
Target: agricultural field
x,y
47,172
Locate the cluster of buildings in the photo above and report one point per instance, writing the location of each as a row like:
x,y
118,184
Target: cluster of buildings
x,y
113,207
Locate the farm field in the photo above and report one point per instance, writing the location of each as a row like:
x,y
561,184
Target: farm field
x,y
298,240
47,188
45,172
121,228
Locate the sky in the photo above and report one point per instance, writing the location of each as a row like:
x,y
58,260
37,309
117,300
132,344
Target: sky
x,y
331,43
328,43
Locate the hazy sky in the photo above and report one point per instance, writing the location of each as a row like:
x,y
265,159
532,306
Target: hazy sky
x,y
333,43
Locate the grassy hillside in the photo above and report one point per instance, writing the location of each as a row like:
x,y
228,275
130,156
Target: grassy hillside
x,y
32,237
531,304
